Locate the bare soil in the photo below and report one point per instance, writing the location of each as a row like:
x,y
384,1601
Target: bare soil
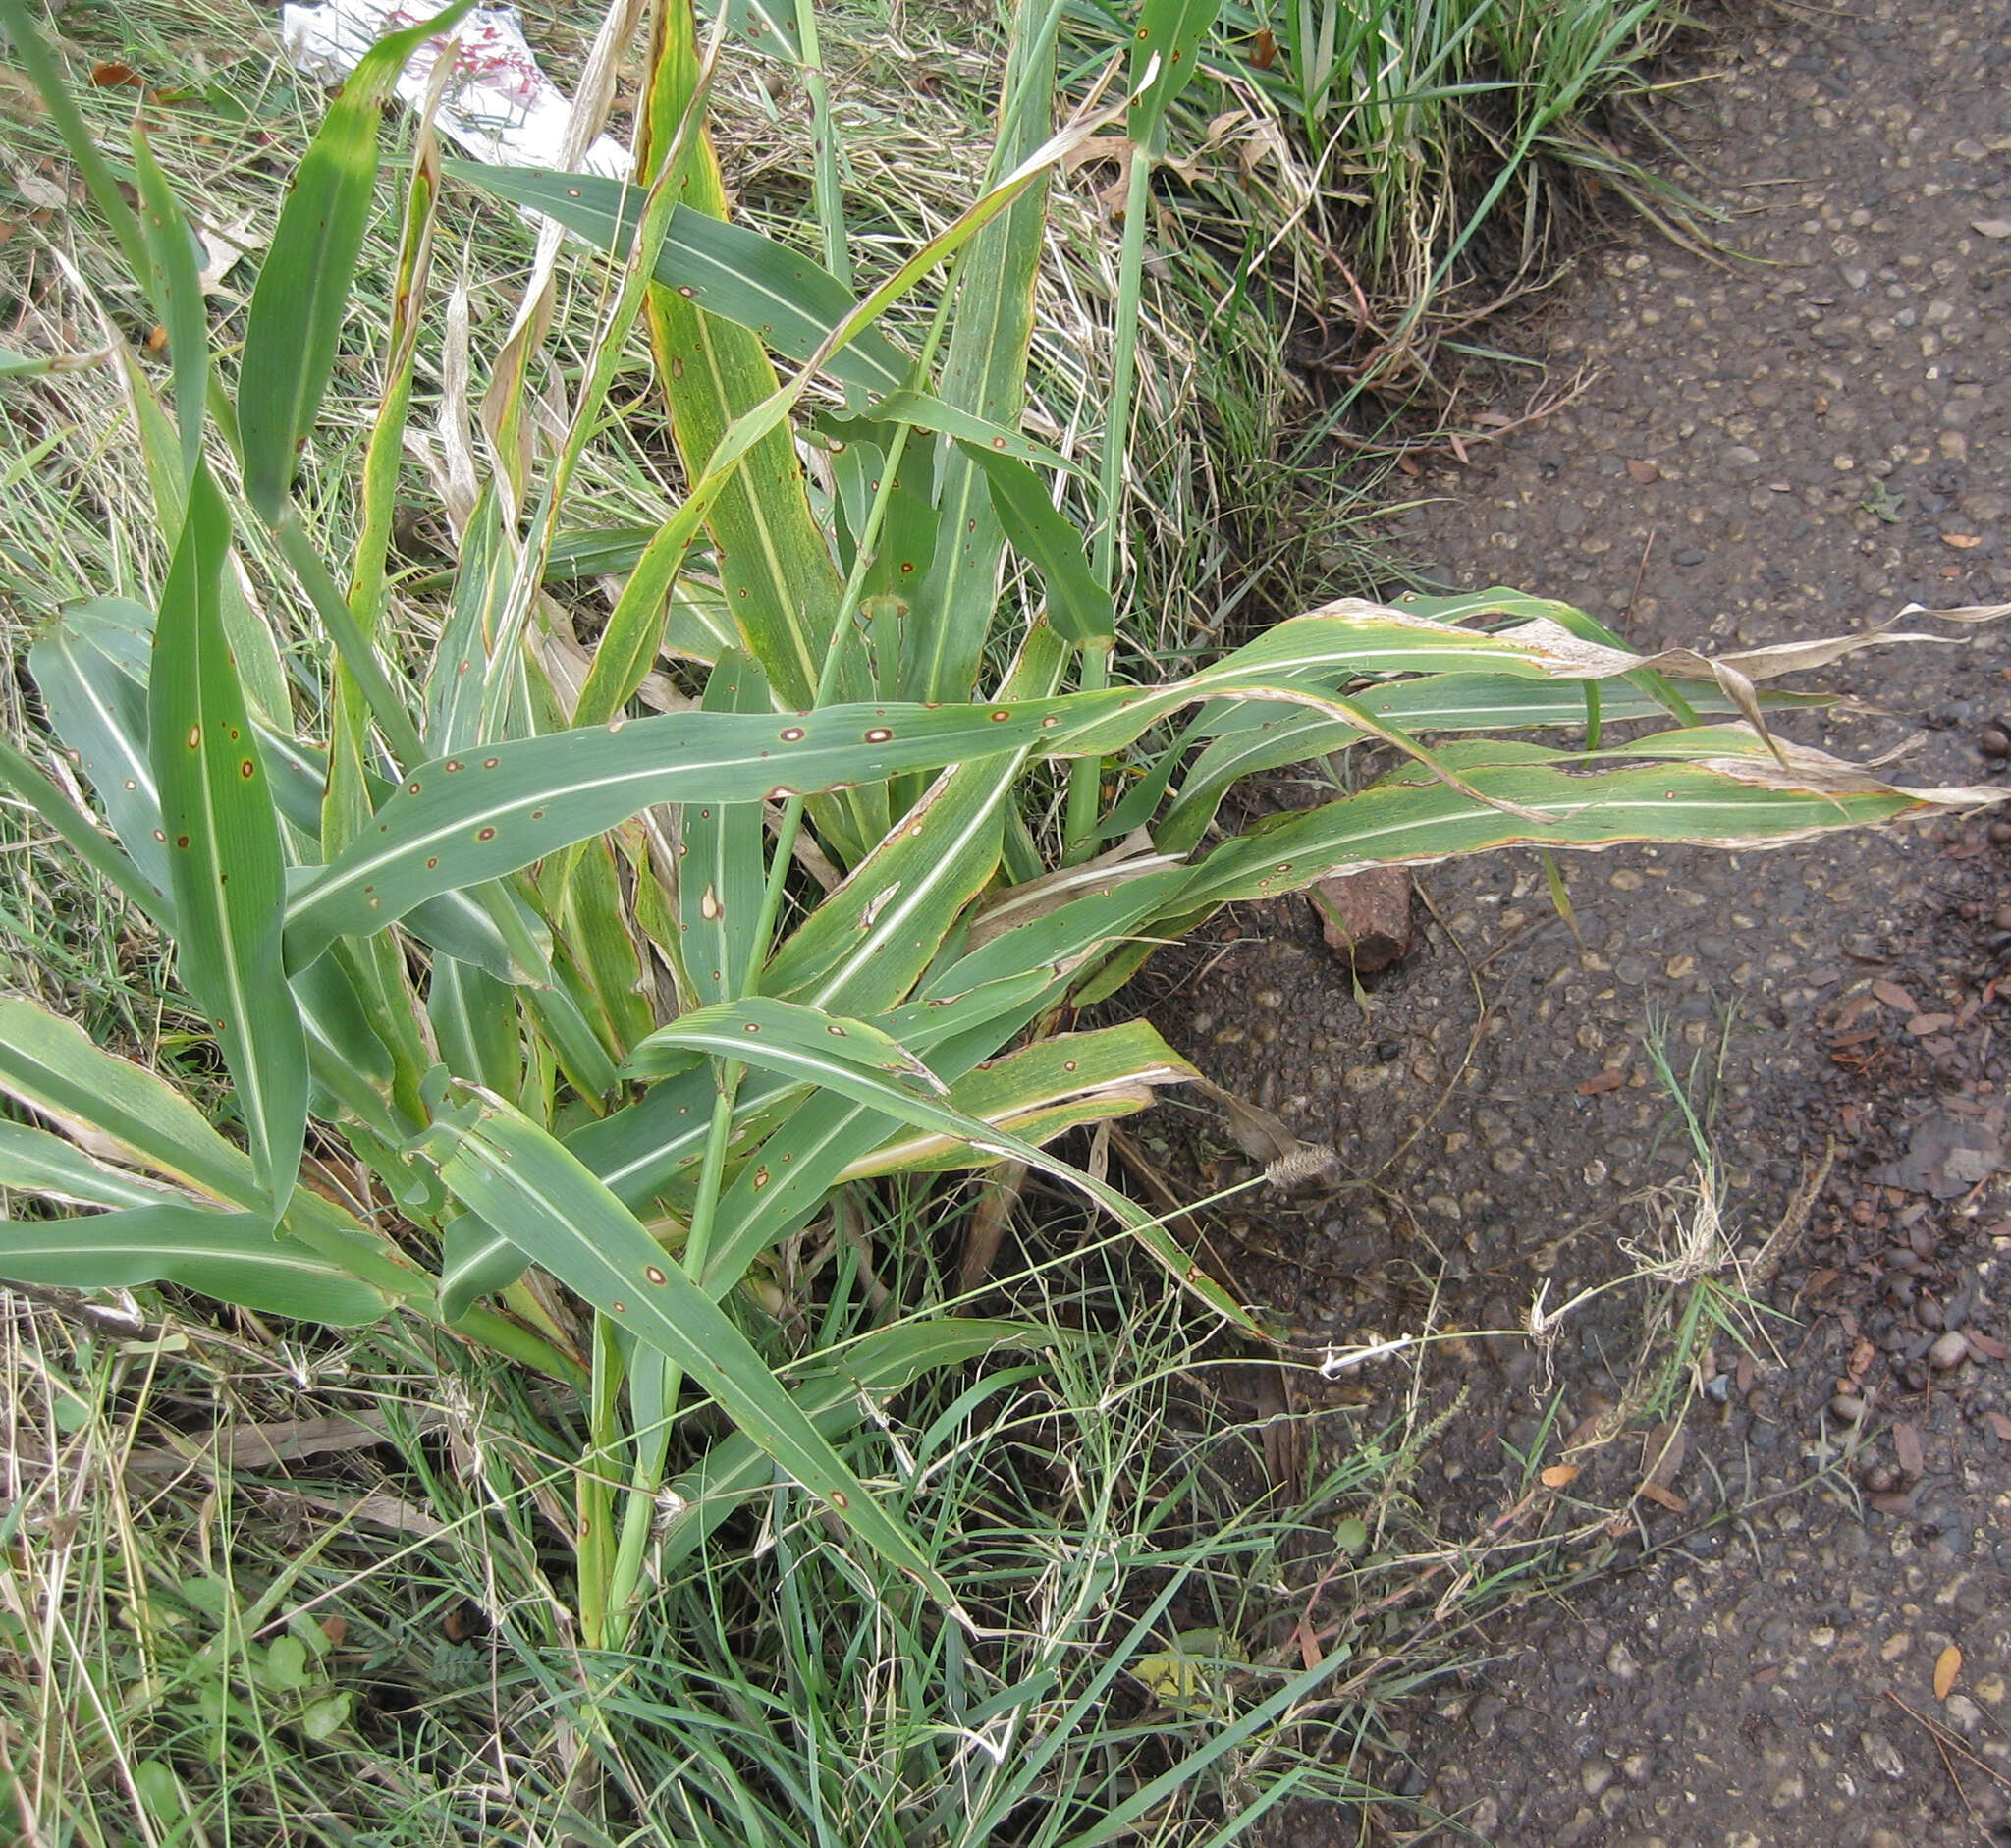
x,y
1749,1587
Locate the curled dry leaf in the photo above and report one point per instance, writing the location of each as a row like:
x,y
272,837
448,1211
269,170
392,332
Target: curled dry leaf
x,y
1947,1666
1560,1476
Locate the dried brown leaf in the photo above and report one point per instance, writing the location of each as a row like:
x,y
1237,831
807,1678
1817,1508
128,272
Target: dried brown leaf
x,y
1560,1476
1947,1666
1906,1445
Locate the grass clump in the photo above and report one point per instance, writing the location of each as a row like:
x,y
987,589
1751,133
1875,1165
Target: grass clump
x,y
582,1041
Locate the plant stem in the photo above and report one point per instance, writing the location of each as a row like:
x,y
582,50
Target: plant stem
x,y
358,653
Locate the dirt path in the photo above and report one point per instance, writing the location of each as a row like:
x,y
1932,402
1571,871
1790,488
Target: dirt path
x,y
1791,445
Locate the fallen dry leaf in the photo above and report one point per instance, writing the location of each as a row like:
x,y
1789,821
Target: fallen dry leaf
x,y
1924,1024
1986,1347
1664,1498
1663,1453
2000,1426
1611,1080
1893,996
1961,541
115,76
1906,1443
1946,1668
1644,473
1560,1476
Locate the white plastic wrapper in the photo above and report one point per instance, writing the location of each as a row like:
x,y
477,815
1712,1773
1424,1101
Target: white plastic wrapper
x,y
498,105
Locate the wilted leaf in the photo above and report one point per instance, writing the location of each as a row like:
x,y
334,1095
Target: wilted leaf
x,y
1188,1677
1947,1666
1906,1443
1560,1476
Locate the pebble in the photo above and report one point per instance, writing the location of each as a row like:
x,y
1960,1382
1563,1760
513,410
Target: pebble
x,y
1949,1350
1849,1407
1993,742
1883,1756
1962,1713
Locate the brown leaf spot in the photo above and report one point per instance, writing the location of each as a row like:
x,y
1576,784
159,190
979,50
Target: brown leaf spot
x,y
654,1275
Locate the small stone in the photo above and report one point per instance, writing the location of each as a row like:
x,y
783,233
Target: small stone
x,y
1621,1664
1949,1350
1993,742
1742,456
1848,1407
1594,1776
1962,1713
1365,916
1687,555
1637,1767
1883,1756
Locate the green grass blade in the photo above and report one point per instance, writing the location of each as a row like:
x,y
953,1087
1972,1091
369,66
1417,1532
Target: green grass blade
x,y
506,1168
24,778
729,270
349,1062
834,1396
175,278
599,950
782,586
1165,48
303,292
50,1066
224,847
234,1257
804,1043
91,669
1041,1090
384,453
721,868
33,1161
861,950
475,1025
984,373
861,1063
1080,609
467,820
475,1261
1422,822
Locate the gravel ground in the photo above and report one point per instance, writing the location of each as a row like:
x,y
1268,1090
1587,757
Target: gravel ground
x,y
1791,445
